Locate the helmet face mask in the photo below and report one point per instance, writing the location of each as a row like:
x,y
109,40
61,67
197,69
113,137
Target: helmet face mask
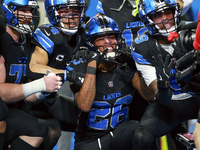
x,y
107,45
160,16
21,15
103,36
66,14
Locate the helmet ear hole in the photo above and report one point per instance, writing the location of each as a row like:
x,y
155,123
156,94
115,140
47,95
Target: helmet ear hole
x,y
11,6
12,21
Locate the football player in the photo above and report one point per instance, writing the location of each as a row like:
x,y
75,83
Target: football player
x,y
129,25
155,52
4,109
23,131
107,91
55,44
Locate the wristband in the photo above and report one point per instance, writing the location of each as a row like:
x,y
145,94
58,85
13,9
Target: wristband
x,y
91,70
34,87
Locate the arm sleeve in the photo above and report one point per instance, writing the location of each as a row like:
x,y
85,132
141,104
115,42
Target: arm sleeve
x,y
148,72
186,6
3,22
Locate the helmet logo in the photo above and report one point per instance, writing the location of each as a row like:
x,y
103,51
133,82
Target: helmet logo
x,y
32,3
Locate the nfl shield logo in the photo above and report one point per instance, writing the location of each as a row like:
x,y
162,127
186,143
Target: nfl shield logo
x,y
110,84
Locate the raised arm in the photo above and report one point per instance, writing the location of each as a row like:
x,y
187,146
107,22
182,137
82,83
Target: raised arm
x,y
85,97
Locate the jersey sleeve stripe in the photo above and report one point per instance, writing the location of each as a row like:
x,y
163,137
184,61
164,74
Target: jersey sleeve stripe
x,y
139,58
44,41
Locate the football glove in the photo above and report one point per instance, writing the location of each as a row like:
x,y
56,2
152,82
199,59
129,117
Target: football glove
x,y
163,70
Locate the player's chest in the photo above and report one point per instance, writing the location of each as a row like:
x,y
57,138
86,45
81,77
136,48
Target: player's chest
x,y
110,88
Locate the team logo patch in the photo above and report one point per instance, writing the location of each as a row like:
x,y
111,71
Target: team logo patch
x,y
110,84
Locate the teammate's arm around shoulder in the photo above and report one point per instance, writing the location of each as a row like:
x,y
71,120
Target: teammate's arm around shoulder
x,y
147,92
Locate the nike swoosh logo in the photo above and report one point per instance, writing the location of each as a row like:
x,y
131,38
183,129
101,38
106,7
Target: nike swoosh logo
x,y
94,55
133,48
48,34
160,78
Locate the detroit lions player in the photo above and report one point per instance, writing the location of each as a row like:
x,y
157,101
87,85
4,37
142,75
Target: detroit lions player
x,y
57,41
55,44
154,53
107,91
23,131
130,24
4,109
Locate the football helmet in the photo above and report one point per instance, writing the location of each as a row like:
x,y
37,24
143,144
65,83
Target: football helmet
x,y
52,8
22,23
147,10
102,26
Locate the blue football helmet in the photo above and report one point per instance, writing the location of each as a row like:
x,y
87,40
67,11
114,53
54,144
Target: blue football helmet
x,y
101,26
22,23
147,9
52,7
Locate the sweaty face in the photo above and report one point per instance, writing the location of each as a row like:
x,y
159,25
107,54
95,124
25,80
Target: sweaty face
x,y
106,42
164,19
70,16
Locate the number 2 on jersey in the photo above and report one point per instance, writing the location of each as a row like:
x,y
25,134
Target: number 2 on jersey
x,y
118,112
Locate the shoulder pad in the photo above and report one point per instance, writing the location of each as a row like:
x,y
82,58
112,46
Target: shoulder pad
x,y
138,57
45,35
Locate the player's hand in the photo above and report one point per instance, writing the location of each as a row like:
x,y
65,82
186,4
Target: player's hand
x,y
53,83
81,54
94,56
163,70
72,76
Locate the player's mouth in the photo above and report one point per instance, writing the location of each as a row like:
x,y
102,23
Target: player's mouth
x,y
167,25
72,24
110,48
